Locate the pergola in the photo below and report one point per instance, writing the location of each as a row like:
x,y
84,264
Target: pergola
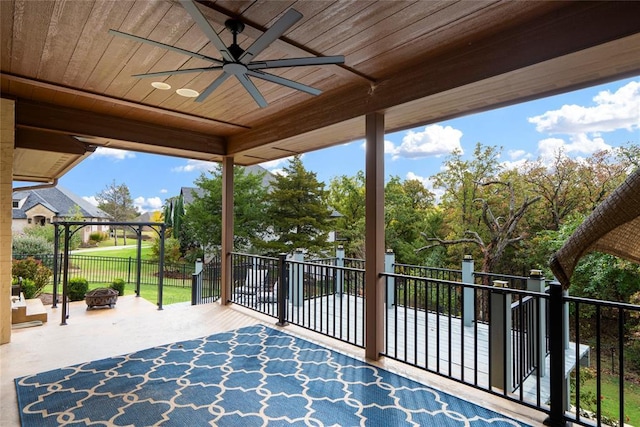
x,y
67,85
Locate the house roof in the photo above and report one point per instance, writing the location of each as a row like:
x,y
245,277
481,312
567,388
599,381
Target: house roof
x,y
417,62
613,228
58,200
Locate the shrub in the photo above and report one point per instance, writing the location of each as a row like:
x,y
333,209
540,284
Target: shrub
x,y
77,287
29,245
98,236
28,288
118,285
33,270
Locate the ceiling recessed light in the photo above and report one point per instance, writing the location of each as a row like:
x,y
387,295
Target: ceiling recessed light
x,y
189,93
161,85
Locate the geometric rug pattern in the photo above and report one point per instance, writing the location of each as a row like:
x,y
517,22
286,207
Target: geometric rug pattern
x,y
253,376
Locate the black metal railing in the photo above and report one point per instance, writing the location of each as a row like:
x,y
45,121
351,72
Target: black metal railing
x,y
431,324
206,283
321,297
609,329
428,272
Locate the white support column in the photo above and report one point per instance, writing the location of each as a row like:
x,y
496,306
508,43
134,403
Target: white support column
x,y
468,316
389,266
227,229
7,140
339,272
374,236
296,279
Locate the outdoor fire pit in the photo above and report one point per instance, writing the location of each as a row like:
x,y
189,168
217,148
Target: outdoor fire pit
x,y
101,297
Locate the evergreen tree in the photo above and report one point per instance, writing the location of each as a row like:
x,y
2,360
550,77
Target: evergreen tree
x,y
298,214
202,220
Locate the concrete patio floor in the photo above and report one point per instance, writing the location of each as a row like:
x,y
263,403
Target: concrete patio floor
x,y
135,324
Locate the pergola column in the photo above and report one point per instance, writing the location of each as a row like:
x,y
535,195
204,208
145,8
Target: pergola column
x,y
7,140
227,229
374,236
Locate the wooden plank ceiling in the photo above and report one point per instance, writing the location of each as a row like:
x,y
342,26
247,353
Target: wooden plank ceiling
x,y
417,61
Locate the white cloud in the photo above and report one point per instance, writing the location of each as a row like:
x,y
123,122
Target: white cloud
x,y
612,111
164,191
434,140
91,199
517,154
517,159
113,153
195,166
579,144
147,204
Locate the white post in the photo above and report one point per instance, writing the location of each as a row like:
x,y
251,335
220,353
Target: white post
x,y
339,271
389,266
500,337
535,283
296,279
468,316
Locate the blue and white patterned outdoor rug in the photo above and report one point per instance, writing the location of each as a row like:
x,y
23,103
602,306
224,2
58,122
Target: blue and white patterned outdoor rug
x,y
251,376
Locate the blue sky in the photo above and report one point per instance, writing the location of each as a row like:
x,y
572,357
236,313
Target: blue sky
x,y
580,123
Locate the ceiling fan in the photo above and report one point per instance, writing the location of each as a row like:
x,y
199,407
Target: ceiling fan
x,y
237,61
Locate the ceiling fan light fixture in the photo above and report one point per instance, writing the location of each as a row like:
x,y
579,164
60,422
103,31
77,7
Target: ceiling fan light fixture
x,y
189,93
161,85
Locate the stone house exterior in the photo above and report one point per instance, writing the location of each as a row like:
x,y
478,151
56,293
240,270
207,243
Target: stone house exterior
x,y
46,205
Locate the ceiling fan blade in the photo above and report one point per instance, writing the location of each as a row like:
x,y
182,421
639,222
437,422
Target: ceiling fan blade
x,y
172,72
206,27
296,62
164,46
287,20
252,89
285,82
213,86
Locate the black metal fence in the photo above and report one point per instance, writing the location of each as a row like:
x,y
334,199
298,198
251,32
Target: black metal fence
x,y
100,269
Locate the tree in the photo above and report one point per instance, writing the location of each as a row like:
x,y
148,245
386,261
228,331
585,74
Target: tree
x,y
115,200
202,221
407,204
347,196
298,212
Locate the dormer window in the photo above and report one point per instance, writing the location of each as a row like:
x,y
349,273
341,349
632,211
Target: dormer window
x,y
16,204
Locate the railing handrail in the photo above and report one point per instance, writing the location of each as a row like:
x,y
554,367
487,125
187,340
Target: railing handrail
x,y
428,268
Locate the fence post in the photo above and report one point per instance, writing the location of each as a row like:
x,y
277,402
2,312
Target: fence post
x,y
129,271
196,283
296,279
535,283
468,314
56,270
500,337
282,287
339,271
389,267
556,355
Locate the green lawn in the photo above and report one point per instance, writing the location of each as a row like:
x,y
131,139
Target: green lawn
x,y
146,252
609,403
170,294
